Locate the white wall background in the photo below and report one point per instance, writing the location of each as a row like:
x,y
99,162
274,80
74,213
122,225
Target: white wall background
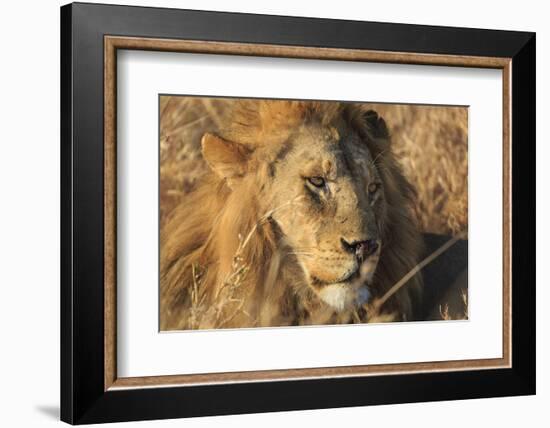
x,y
29,212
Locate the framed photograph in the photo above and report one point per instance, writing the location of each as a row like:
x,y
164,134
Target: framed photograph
x,y
265,213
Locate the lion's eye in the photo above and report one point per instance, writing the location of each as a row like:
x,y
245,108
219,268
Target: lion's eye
x,y
373,187
317,181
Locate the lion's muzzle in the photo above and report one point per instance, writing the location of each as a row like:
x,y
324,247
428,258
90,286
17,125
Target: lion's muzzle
x,y
351,289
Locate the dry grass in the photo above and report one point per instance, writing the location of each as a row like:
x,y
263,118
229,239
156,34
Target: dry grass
x,y
446,314
183,121
430,142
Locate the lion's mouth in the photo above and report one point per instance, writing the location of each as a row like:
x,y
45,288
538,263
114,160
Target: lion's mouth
x,y
347,278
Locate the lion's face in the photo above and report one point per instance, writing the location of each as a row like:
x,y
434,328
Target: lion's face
x,y
334,223
322,190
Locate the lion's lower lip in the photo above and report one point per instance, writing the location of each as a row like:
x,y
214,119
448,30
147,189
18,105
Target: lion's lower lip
x,y
347,278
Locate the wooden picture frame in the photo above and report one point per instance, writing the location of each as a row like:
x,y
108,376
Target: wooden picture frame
x,y
91,391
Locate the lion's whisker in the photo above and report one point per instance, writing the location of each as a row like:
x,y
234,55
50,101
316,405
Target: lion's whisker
x,y
373,162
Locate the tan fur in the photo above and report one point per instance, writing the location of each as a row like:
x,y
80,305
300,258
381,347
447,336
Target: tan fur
x,y
257,245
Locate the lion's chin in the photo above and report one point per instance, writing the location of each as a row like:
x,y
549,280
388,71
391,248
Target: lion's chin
x,y
341,297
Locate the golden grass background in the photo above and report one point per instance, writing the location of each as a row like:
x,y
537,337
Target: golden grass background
x,y
431,142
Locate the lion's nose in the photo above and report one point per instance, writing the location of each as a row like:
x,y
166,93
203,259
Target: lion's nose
x,y
361,249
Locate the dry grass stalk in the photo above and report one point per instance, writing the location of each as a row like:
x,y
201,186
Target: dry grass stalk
x,y
464,295
446,314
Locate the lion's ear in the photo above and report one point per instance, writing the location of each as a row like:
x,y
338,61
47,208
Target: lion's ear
x,y
376,125
225,158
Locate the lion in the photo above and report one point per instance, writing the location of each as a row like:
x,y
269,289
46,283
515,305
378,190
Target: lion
x,y
305,217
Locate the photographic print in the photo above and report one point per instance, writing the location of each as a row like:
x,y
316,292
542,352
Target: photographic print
x,y
314,232
298,212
